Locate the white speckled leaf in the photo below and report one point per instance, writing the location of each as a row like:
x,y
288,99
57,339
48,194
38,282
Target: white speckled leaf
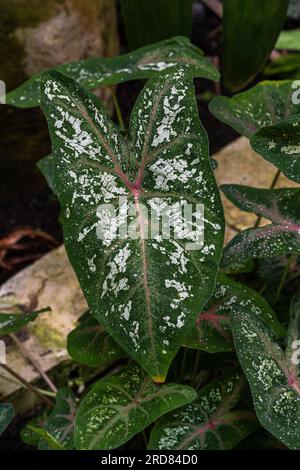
x,y
280,145
212,332
6,415
273,374
209,422
12,322
140,64
146,292
122,405
262,105
281,236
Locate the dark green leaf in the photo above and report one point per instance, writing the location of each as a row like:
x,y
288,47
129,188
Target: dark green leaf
x,y
212,330
7,413
47,168
250,34
143,63
166,162
120,406
273,374
280,145
263,105
289,40
10,323
30,437
282,236
209,422
89,344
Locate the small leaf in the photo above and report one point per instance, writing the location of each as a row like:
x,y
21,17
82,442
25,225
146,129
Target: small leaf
x,y
273,374
122,405
10,323
280,145
30,437
289,40
140,64
212,330
60,423
282,236
47,437
7,413
89,344
209,422
285,65
165,163
47,168
261,106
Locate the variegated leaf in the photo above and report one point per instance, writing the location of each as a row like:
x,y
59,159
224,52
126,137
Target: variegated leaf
x,y
10,323
273,374
280,145
122,405
209,422
140,64
212,332
6,415
281,236
146,292
262,105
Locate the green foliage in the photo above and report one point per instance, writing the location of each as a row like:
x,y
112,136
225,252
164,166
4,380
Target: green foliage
x,y
10,323
6,415
289,40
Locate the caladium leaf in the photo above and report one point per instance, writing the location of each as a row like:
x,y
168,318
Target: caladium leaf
x,y
6,415
10,323
211,332
273,374
140,64
262,105
60,423
282,236
209,423
280,145
50,440
122,405
89,344
289,40
146,309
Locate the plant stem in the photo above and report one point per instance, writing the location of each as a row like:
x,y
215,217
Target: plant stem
x,y
283,278
273,184
28,385
118,109
183,362
215,6
196,367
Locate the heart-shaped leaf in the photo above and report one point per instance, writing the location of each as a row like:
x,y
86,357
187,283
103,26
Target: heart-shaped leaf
x,y
60,423
140,64
282,236
163,168
6,415
89,344
289,40
262,105
212,329
209,422
273,374
122,405
10,323
280,145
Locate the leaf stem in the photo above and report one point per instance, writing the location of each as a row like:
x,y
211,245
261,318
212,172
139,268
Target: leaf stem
x,y
196,367
118,109
283,278
273,184
183,362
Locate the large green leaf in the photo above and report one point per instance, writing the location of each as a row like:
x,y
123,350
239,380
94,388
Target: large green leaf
x,y
60,423
90,344
273,374
282,236
209,422
10,323
146,23
6,415
280,145
146,309
120,406
143,63
212,329
250,33
289,40
262,105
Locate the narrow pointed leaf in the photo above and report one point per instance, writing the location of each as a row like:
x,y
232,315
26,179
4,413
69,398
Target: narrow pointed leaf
x,y
281,236
212,332
209,422
60,423
50,440
145,309
120,406
89,344
273,374
262,105
140,64
289,40
10,323
6,415
280,145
